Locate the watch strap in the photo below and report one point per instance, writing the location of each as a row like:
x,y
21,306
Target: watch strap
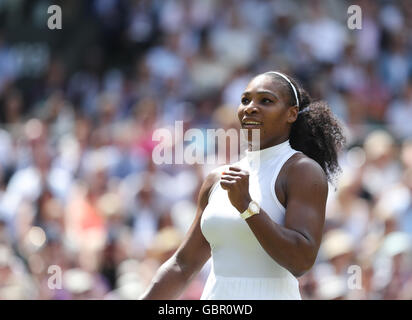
x,y
248,212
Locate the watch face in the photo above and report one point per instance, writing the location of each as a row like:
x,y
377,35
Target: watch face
x,y
254,207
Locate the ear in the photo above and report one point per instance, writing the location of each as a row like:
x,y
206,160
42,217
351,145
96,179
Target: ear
x,y
293,114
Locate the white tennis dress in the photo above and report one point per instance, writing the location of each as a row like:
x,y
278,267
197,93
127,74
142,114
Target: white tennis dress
x,y
241,269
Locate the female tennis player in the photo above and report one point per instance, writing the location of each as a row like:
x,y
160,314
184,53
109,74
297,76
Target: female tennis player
x,y
261,219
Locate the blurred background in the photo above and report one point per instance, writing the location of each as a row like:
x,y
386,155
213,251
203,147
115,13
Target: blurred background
x,y
78,106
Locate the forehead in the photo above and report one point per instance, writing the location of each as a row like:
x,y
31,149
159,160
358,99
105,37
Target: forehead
x,y
266,83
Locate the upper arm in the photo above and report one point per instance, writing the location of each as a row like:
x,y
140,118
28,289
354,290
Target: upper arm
x,y
307,190
195,250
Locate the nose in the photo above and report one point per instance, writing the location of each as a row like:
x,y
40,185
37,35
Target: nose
x,y
251,109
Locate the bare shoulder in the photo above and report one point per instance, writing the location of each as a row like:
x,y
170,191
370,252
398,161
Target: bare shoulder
x,y
304,171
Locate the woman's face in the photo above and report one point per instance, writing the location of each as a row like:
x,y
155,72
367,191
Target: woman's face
x,y
265,106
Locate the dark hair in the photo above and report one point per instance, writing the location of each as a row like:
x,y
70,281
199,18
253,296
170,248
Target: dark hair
x,y
316,131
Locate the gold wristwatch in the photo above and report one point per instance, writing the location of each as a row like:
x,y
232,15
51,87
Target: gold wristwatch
x,y
253,209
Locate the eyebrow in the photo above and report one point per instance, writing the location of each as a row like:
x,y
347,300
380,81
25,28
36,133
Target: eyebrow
x,y
262,92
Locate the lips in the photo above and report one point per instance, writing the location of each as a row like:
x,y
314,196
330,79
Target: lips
x,y
251,123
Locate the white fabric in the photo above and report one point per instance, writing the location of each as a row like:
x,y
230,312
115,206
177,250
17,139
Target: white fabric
x,y
241,268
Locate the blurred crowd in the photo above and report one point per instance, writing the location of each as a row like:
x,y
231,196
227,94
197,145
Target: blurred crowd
x,y
84,211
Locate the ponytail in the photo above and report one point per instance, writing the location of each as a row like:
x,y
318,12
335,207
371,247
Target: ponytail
x,y
317,133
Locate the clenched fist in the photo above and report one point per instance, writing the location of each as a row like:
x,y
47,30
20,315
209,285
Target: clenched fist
x,y
236,182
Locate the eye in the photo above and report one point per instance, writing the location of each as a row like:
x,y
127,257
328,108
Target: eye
x,y
266,101
245,101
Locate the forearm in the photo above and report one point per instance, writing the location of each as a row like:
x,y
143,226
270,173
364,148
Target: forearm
x,y
177,272
289,248
168,283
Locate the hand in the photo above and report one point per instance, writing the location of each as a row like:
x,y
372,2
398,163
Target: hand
x,y
236,182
